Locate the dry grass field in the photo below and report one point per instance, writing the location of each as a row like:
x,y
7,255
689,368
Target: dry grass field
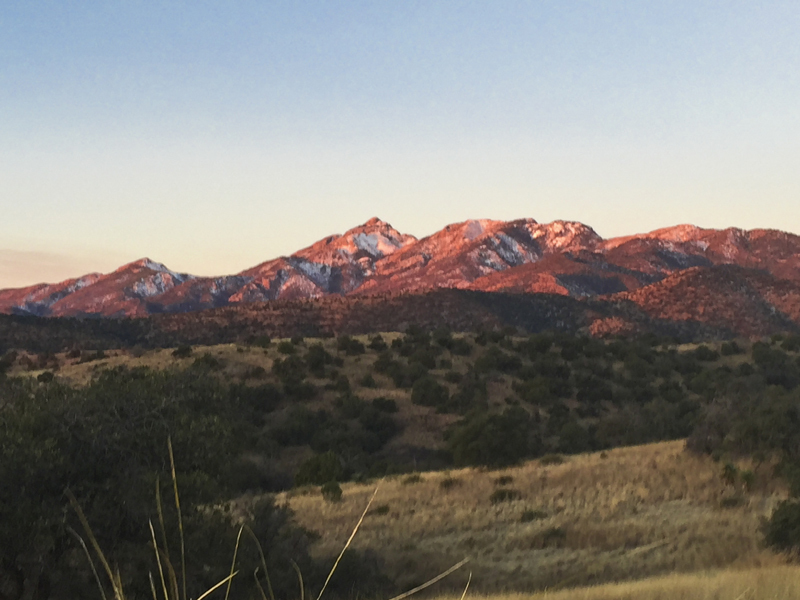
x,y
767,583
625,514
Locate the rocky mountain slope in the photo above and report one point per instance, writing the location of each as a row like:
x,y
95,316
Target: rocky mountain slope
x,y
668,274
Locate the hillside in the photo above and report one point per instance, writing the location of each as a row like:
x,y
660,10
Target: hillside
x,y
286,416
624,514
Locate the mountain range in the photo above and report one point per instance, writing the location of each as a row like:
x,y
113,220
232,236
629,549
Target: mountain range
x,y
678,273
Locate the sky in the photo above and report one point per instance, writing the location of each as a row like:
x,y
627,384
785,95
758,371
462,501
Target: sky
x,y
212,136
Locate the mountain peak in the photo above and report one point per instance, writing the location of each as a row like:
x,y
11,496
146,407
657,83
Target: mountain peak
x,y
376,222
145,263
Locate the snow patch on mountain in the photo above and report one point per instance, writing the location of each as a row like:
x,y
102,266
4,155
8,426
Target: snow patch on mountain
x,y
156,284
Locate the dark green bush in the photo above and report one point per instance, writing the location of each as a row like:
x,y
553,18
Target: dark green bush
x,y
368,381
493,440
386,405
504,495
377,343
320,469
495,359
349,345
706,354
380,510
331,491
262,341
453,377
730,348
449,483
782,531
429,392
529,515
207,362
182,351
45,377
286,347
317,358
460,347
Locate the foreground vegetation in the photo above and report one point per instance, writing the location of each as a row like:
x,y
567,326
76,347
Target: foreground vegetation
x,y
314,414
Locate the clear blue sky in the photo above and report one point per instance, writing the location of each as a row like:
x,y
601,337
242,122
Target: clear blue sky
x,y
214,135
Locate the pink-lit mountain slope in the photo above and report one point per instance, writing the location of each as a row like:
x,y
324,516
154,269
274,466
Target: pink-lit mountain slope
x,y
125,292
562,257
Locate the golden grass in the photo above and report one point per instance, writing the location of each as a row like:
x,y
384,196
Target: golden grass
x,y
625,514
767,583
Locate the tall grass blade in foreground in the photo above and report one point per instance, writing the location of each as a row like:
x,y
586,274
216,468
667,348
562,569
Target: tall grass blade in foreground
x,y
430,582
114,577
115,583
405,594
233,562
91,562
263,565
180,517
349,541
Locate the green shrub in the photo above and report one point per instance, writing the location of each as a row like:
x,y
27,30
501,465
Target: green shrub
x,y
574,438
730,348
386,405
380,510
429,392
443,337
45,377
317,358
504,495
532,515
182,351
791,343
291,369
493,440
350,406
551,459
255,372
495,359
552,536
782,531
453,377
748,479
320,469
349,345
340,384
207,362
331,491
460,347
449,483
262,341
368,381
730,474
706,354
377,343
731,501
286,347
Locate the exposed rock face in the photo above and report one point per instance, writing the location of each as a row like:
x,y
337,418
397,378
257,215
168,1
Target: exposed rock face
x,y
676,273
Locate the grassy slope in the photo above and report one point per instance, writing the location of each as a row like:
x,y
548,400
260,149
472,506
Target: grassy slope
x,y
768,583
626,514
